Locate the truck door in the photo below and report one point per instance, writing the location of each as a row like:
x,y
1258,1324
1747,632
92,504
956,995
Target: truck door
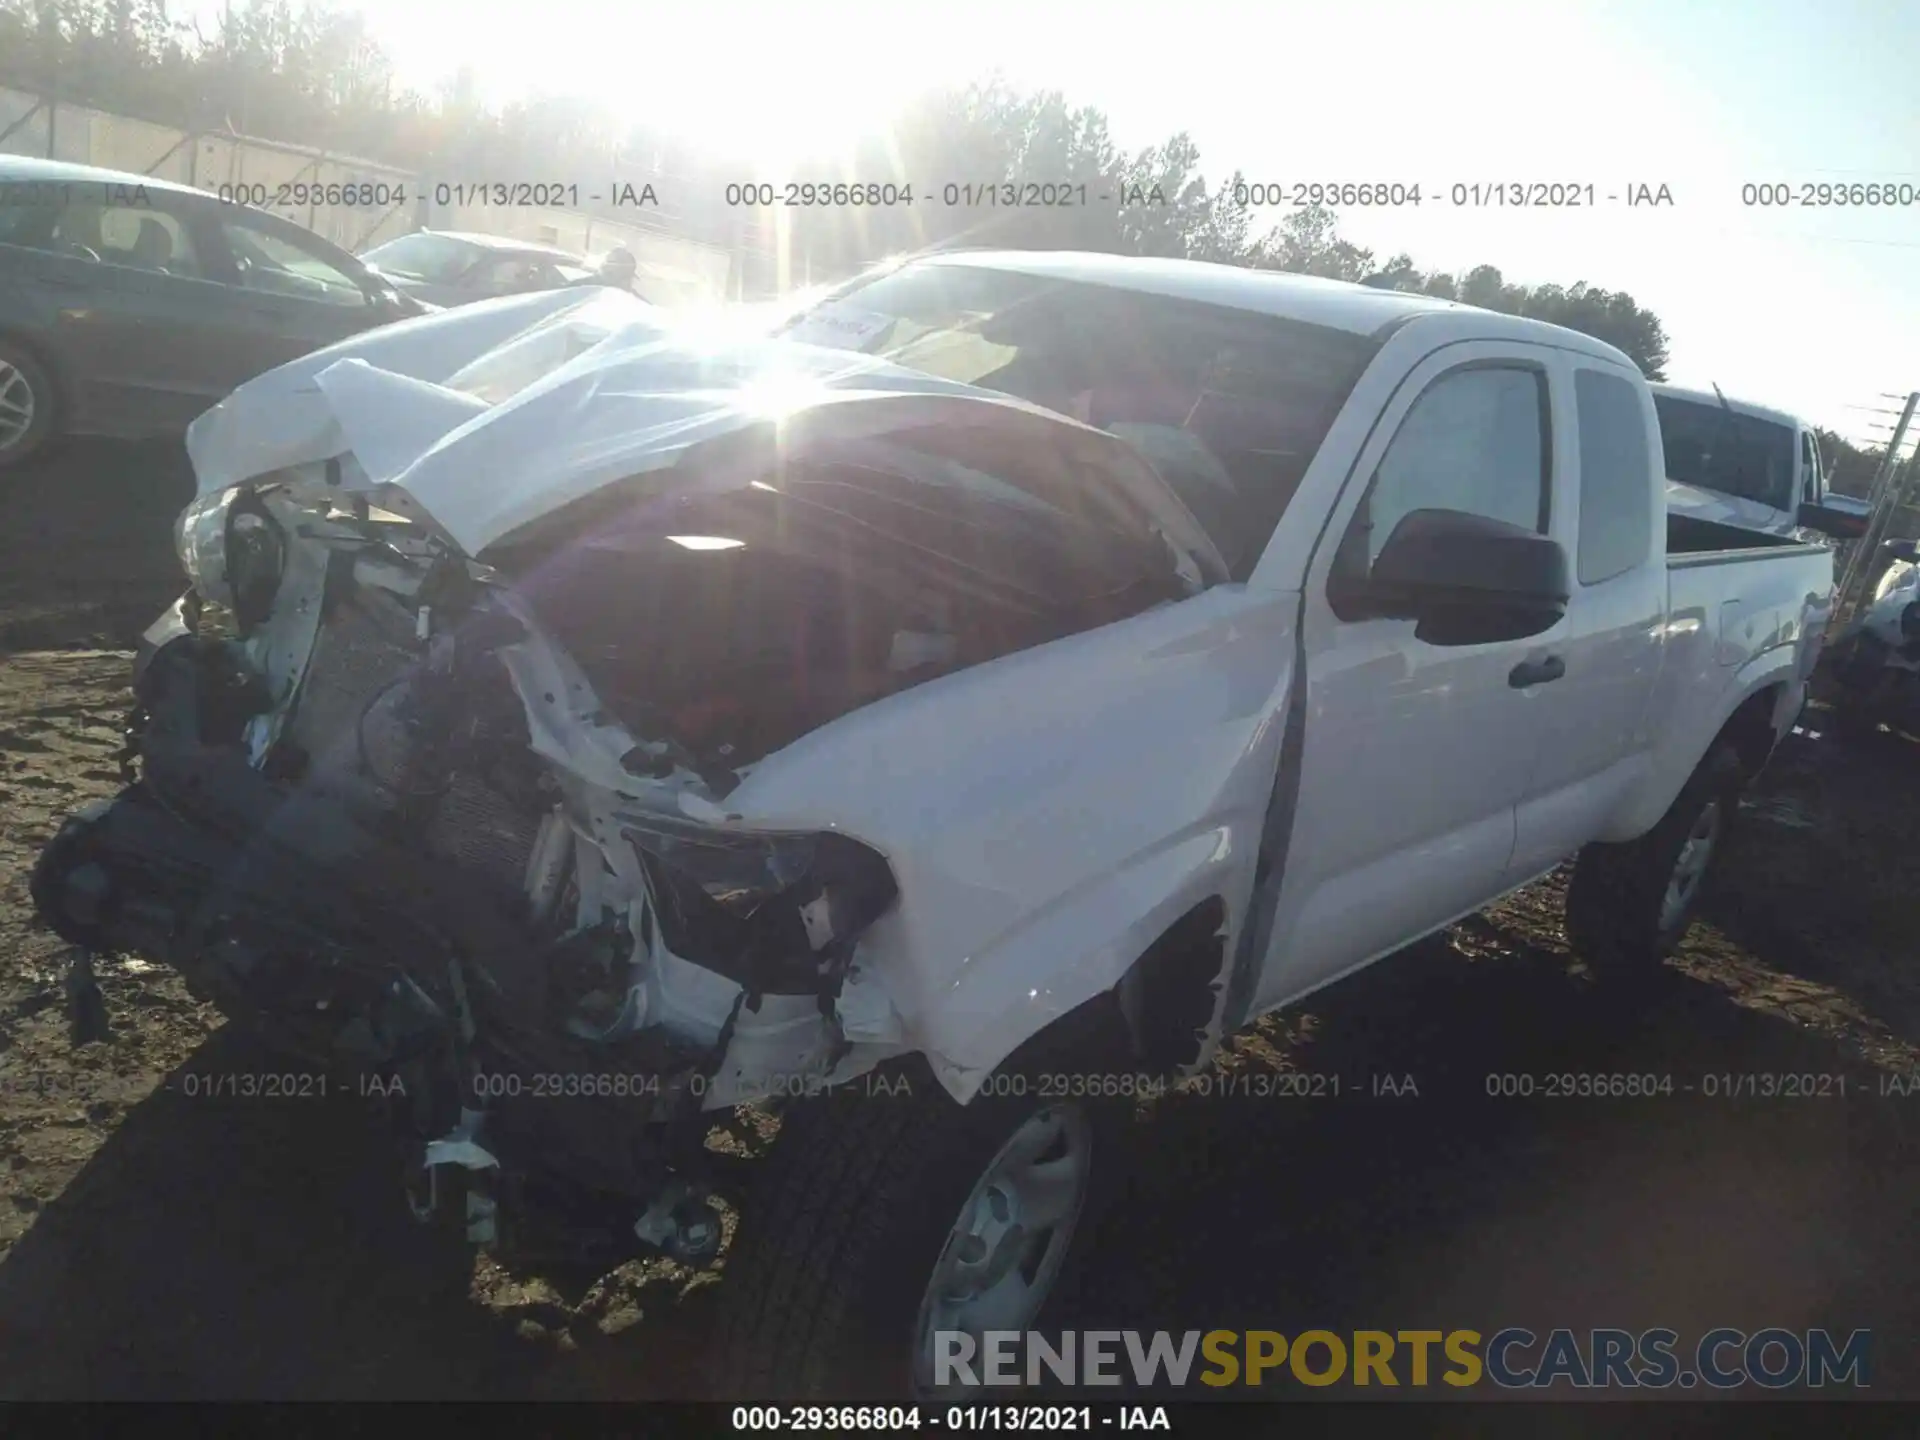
x,y
1593,717
1414,755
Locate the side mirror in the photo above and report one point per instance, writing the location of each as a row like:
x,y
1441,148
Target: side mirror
x,y
1840,524
1906,550
1467,579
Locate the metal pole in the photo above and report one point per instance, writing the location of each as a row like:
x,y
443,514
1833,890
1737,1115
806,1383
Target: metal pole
x,y
1887,461
1884,498
32,111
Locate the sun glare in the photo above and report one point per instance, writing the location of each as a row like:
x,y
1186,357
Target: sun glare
x,y
774,116
778,394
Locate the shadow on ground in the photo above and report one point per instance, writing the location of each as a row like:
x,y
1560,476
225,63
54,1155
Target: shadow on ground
x,y
86,543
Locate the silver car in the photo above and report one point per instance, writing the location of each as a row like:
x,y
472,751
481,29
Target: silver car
x,y
447,267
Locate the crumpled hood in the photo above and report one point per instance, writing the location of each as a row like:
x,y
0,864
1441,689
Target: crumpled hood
x,y
492,416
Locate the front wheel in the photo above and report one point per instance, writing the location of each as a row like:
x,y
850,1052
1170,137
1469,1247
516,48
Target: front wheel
x,y
887,1229
1630,905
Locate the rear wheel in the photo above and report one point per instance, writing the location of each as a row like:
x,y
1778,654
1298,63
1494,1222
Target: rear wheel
x,y
27,404
1630,905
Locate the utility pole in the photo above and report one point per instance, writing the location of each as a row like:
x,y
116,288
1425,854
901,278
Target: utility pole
x,y
1883,499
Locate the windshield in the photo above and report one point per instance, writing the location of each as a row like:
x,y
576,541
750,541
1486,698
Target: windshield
x,y
436,259
1712,448
1229,406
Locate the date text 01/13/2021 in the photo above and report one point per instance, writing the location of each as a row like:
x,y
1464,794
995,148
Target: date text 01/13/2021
x,y
900,1419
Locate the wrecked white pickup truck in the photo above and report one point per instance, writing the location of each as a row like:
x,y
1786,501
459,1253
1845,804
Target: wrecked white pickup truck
x,y
598,730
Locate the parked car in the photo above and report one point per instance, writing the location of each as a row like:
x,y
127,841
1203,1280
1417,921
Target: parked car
x,y
448,267
867,734
1744,464
1875,660
128,305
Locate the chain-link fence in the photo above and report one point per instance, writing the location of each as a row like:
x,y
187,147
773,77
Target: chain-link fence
x,y
358,203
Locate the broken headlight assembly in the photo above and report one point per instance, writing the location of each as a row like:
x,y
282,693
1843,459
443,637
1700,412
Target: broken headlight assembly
x,y
233,552
777,914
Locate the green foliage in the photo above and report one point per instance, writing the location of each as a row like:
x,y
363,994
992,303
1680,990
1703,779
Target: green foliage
x,y
1850,469
313,75
1607,315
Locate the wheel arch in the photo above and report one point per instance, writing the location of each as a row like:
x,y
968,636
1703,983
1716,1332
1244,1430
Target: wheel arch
x,y
1757,713
1132,1005
1753,729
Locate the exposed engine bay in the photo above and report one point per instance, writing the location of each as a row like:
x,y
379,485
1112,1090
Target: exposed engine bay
x,y
460,820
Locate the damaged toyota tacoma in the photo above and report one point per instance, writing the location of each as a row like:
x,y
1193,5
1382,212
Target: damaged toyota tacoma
x,y
1023,665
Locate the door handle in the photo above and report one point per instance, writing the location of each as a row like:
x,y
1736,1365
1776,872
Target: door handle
x,y
1536,672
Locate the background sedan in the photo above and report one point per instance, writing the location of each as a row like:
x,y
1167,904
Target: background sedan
x,y
128,305
447,267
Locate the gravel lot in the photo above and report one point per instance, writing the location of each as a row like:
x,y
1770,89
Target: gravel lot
x,y
158,1244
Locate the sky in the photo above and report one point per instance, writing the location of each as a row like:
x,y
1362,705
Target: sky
x,y
1815,310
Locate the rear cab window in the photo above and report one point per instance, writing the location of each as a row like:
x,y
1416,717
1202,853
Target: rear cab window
x,y
1617,483
1714,448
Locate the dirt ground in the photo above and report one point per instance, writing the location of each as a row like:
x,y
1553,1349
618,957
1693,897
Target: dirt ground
x,y
157,1243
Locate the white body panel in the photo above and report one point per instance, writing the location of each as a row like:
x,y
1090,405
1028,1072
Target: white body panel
x,y
1025,808
1048,814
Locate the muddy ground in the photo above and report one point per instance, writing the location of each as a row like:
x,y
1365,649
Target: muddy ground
x,y
157,1243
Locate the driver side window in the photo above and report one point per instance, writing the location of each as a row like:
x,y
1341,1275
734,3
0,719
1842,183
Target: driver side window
x,y
1476,441
509,277
273,263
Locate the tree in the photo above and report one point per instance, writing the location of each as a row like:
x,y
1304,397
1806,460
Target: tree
x,y
313,75
1850,468
1308,242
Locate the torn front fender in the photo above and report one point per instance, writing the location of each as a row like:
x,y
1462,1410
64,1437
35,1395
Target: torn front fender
x,y
1049,814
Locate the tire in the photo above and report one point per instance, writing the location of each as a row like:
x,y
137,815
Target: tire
x,y
25,382
826,1287
1627,908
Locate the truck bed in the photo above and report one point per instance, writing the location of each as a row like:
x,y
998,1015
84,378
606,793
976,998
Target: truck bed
x,y
1691,535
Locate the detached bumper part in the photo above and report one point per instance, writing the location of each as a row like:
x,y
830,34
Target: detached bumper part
x,y
368,946
459,1150
681,1223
